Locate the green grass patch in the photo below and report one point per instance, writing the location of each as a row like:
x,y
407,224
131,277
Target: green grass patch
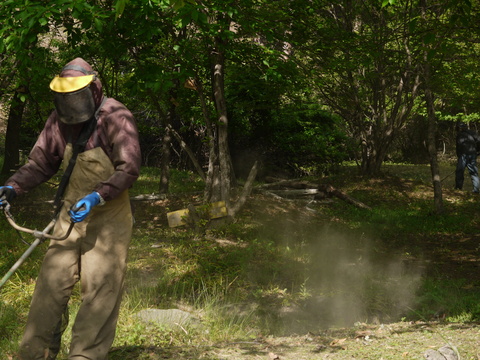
x,y
279,268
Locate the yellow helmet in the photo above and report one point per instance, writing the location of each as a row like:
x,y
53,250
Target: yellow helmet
x,y
70,84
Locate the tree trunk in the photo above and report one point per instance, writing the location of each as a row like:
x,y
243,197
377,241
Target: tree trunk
x,y
165,162
374,151
12,137
222,118
432,148
432,124
212,177
166,141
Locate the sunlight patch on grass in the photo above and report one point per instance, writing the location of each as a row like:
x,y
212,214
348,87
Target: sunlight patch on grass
x,y
180,182
280,269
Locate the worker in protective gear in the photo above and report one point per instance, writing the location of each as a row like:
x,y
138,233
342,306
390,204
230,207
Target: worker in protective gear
x,y
466,146
96,199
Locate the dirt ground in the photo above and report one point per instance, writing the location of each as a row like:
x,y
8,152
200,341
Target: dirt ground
x,y
378,340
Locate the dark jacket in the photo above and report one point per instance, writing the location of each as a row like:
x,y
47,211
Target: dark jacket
x,y
467,142
116,134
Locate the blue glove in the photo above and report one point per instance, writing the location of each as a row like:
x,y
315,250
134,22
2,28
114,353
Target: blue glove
x,y
7,193
82,208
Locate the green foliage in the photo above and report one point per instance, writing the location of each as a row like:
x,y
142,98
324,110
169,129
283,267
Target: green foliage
x,y
276,54
388,2
460,117
310,141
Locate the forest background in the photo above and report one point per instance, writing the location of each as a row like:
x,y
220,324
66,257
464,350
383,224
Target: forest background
x,y
297,86
238,90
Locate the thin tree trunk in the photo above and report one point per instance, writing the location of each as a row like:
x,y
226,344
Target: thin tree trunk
x,y
221,106
432,149
211,180
432,125
12,137
165,162
163,185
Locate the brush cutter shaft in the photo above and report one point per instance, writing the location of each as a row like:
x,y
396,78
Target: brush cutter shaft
x,y
40,236
20,261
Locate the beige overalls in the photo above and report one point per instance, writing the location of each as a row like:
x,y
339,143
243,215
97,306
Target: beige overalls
x,y
95,253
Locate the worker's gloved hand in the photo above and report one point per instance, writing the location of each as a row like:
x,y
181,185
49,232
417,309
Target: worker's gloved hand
x,y
82,208
7,193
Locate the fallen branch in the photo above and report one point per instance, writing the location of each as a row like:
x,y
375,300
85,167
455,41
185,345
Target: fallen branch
x,y
247,189
299,188
337,193
189,152
298,193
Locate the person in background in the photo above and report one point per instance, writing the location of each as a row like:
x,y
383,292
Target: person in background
x,y
466,147
96,199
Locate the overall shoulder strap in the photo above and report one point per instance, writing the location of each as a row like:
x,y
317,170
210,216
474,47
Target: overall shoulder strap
x,y
79,146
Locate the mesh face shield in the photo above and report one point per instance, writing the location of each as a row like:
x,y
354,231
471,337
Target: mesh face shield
x,y
74,107
73,98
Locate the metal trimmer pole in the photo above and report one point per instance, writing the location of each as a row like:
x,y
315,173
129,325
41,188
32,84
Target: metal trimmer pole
x,y
20,261
40,236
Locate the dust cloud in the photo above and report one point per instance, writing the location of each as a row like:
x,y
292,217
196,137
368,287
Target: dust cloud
x,y
349,281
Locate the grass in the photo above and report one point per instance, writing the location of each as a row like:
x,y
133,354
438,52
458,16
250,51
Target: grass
x,y
300,282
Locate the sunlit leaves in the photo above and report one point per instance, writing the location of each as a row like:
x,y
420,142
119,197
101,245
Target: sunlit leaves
x,y
120,7
22,23
178,4
388,2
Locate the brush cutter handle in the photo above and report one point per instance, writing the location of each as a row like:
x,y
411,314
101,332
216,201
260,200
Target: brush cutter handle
x,y
42,235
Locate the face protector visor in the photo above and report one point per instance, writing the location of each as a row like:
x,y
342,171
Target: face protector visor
x,y
73,98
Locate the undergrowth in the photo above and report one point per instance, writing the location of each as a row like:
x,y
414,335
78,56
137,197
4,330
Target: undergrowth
x,y
279,268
